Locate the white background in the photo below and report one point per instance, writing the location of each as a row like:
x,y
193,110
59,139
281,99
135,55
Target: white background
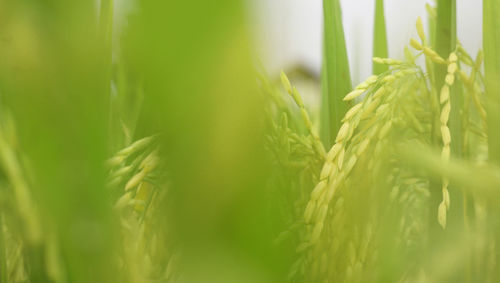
x,y
289,32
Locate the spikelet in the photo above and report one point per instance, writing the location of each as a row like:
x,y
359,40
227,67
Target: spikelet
x,y
321,215
446,135
452,68
115,161
286,82
415,44
363,146
294,93
354,94
442,215
367,83
445,131
389,79
452,58
305,118
387,61
135,180
326,171
353,111
370,107
123,201
446,194
431,54
350,164
343,132
340,159
150,162
420,29
382,109
308,213
450,79
318,190
445,94
409,57
297,98
465,79
136,146
334,151
445,112
318,228
333,187
385,130
371,80
445,153
379,92
122,171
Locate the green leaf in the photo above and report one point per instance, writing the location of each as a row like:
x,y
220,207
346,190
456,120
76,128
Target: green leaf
x,y
491,46
336,76
432,18
380,38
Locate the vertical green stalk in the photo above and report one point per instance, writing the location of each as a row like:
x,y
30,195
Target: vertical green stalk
x,y
458,122
336,75
443,45
105,36
445,42
3,254
443,36
380,38
446,39
106,23
491,46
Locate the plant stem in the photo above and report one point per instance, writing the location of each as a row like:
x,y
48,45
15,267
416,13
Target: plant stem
x,y
445,41
3,254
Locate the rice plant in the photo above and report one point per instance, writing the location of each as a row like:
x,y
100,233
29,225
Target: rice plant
x,y
146,158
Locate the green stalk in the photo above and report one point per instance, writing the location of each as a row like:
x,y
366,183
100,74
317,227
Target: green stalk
x,y
3,254
106,22
445,42
443,45
380,38
336,76
446,39
491,46
444,36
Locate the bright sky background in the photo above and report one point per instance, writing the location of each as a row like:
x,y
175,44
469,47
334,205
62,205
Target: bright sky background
x,y
290,31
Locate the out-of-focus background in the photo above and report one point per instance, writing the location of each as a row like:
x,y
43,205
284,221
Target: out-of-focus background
x,y
289,32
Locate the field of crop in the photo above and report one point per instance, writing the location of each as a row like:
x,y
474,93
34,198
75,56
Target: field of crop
x,y
163,151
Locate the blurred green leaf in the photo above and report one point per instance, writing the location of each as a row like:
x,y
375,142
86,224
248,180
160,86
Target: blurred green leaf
x,y
491,46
